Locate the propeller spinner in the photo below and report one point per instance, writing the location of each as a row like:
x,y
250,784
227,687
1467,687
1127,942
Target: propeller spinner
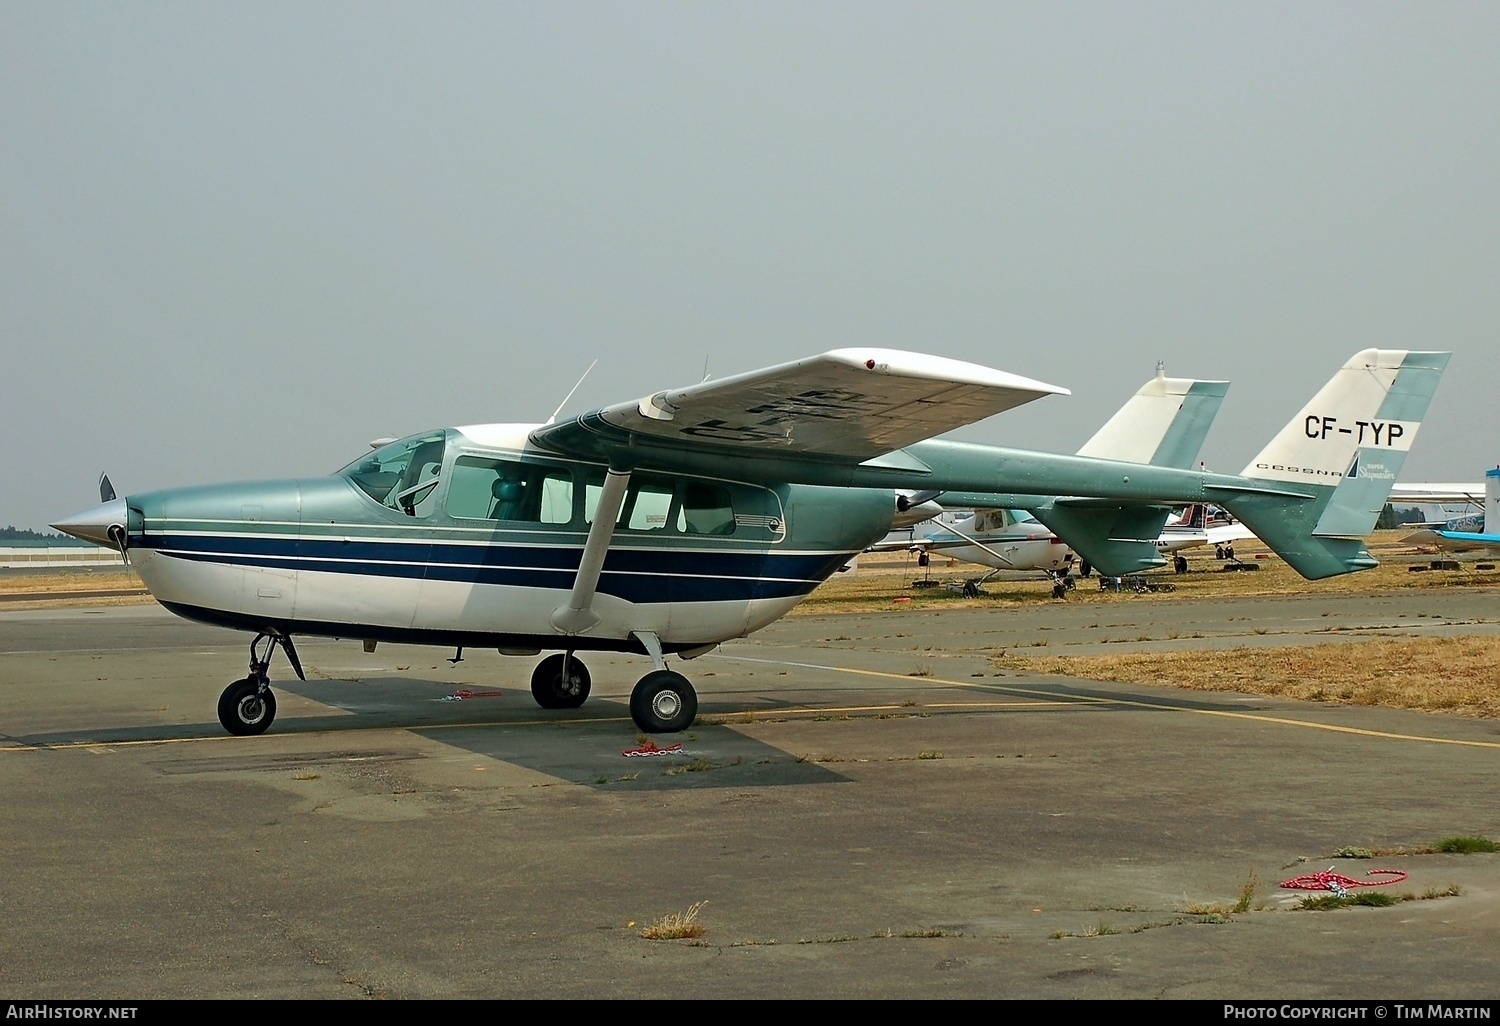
x,y
103,524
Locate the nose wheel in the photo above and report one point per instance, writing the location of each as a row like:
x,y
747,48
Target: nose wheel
x,y
247,707
663,702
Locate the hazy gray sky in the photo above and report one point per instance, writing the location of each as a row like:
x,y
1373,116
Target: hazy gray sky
x,y
242,239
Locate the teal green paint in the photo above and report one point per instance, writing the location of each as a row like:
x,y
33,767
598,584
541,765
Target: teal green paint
x,y
1360,496
1412,390
1180,445
1288,528
1117,540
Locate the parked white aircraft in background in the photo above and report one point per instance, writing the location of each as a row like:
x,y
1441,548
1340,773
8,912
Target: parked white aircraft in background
x,y
1456,536
1001,539
1202,524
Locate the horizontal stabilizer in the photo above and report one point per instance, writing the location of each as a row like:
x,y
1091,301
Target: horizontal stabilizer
x,y
1117,540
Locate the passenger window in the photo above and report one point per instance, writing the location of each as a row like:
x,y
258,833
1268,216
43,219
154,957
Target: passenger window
x,y
706,509
647,505
498,489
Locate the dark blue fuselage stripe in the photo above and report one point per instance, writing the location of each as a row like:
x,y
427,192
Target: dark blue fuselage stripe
x,y
657,580
751,563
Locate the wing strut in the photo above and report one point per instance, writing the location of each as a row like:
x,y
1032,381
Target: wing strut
x,y
578,615
952,529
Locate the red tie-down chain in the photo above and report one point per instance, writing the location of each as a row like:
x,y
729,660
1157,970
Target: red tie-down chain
x,y
1339,884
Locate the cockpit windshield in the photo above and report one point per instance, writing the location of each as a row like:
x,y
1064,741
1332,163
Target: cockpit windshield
x,y
402,475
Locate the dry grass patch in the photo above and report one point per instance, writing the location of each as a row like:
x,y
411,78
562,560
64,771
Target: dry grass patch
x,y
80,579
1459,675
882,577
677,925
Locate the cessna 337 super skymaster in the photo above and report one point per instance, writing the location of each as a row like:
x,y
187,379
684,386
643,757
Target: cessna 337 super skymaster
x,y
697,515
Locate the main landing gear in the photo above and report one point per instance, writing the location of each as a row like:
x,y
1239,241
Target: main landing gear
x,y
560,682
663,701
248,706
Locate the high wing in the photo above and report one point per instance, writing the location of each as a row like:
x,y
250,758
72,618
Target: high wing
x,y
848,405
1221,533
1436,494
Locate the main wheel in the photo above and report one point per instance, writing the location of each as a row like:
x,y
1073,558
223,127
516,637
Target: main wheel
x,y
245,709
554,691
663,702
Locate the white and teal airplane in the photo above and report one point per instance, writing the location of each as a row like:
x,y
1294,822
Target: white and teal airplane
x,y
668,525
1456,535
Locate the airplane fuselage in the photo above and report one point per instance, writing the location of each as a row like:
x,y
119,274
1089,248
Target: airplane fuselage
x,y
486,544
999,539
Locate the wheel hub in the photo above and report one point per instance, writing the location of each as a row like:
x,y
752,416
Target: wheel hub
x,y
667,704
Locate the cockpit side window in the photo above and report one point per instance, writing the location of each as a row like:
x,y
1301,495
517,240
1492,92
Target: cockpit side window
x,y
484,488
402,475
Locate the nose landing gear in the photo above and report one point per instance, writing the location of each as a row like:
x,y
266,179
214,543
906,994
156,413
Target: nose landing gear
x,y
248,706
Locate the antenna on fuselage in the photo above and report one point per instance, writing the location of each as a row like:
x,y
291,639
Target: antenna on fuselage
x,y
560,405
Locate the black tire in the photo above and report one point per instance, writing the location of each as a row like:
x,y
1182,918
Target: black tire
x,y
551,691
246,710
663,702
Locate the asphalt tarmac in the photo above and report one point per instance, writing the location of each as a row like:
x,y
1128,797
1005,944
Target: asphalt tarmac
x,y
862,810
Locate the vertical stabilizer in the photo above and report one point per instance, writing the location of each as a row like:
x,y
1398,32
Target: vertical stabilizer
x,y
1343,451
1163,424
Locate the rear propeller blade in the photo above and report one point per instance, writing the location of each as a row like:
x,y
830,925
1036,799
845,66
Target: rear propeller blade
x,y
106,490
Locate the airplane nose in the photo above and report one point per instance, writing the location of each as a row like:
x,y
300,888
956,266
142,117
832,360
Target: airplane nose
x,y
103,524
